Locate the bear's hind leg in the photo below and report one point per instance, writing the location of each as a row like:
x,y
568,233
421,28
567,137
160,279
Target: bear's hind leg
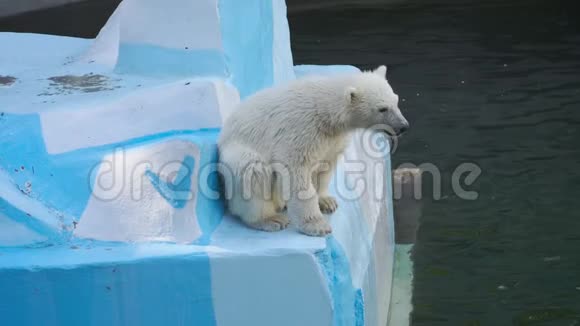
x,y
264,217
253,199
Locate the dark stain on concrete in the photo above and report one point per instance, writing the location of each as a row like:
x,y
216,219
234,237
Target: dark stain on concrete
x,y
7,80
87,83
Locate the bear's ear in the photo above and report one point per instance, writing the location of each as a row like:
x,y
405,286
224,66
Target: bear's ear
x,y
381,71
351,94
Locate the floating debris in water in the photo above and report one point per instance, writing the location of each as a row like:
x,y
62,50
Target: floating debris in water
x,y
545,315
502,288
554,258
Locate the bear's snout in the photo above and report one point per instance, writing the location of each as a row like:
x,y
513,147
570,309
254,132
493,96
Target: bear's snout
x,y
403,129
394,131
397,129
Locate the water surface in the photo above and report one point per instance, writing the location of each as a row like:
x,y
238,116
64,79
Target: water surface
x,y
496,83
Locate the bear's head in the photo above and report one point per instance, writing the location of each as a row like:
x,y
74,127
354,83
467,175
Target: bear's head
x,y
373,104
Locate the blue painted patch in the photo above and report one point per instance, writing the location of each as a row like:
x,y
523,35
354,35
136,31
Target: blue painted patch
x,y
58,181
359,308
248,33
144,59
210,210
347,301
63,182
173,290
176,192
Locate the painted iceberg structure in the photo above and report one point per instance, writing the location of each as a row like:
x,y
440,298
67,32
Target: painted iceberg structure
x,y
109,201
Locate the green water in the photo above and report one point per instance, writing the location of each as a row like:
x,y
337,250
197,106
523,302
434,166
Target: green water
x,y
495,83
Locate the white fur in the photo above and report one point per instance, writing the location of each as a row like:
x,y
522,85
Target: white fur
x,y
280,146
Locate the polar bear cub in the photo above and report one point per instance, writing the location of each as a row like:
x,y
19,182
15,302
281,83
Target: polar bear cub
x,y
279,148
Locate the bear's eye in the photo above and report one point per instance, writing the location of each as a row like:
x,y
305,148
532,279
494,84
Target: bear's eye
x,y
384,109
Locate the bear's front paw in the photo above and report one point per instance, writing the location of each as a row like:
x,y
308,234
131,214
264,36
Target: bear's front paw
x,y
271,224
315,226
328,204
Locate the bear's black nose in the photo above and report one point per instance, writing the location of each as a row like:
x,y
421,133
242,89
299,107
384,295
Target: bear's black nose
x,y
404,128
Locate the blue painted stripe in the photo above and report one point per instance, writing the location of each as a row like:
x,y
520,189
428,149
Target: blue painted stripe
x,y
248,38
63,182
160,291
59,182
151,60
36,225
176,192
347,301
209,211
359,308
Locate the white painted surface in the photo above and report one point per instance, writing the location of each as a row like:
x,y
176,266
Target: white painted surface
x,y
360,182
174,106
227,98
384,261
36,52
125,205
281,290
198,20
16,234
105,48
233,236
154,22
